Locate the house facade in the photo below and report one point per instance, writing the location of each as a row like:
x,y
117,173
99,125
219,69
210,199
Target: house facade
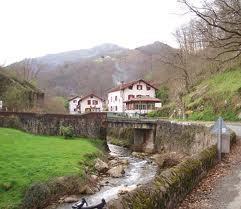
x,y
88,103
136,97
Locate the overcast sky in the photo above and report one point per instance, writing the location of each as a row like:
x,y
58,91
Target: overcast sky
x,y
31,28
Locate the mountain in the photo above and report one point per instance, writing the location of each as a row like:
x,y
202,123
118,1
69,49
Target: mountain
x,y
77,55
94,70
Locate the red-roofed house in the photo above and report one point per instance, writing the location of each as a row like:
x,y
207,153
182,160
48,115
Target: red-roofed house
x,y
88,103
134,97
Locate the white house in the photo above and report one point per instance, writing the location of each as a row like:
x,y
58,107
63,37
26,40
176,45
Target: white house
x,y
134,97
88,103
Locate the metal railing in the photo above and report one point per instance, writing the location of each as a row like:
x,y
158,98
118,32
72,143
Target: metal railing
x,y
80,205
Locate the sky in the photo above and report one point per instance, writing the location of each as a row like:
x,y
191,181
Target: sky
x,y
33,28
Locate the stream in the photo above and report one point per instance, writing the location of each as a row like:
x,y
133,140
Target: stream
x,y
139,171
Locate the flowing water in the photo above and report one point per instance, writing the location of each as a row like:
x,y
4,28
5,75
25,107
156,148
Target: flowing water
x,y
139,171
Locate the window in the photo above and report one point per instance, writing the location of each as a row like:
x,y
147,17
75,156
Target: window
x,y
95,102
75,101
89,102
75,110
147,95
111,99
111,108
91,96
116,108
130,96
131,87
148,88
139,96
115,98
139,87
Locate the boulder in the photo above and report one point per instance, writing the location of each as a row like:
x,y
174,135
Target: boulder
x,y
101,166
71,199
127,189
117,171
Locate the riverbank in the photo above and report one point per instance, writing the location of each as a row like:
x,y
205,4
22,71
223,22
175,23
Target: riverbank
x,y
27,159
139,171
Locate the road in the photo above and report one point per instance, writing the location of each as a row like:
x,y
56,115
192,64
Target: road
x,y
221,189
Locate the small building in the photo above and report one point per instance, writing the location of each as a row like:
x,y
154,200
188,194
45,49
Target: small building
x,y
137,96
88,103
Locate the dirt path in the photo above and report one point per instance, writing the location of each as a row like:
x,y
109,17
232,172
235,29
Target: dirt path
x,y
221,189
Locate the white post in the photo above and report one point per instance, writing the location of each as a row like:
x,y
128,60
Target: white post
x,y
220,139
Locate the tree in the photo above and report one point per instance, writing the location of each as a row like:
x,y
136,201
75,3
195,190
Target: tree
x,y
218,26
163,94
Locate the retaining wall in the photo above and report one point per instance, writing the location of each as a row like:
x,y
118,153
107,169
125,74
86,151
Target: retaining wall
x,y
185,138
90,125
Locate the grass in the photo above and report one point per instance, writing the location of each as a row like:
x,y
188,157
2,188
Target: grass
x,y
219,95
26,158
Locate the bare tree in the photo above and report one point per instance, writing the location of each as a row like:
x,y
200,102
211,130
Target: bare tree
x,y
218,26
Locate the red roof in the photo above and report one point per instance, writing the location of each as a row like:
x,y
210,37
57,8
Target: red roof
x,y
126,85
143,99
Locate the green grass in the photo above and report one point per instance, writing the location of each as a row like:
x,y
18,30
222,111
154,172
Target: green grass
x,y
26,158
219,95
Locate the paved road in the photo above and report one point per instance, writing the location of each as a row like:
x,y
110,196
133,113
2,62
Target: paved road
x,y
222,187
235,127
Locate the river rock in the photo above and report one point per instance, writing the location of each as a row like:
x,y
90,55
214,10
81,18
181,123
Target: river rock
x,y
124,162
94,178
127,189
116,171
139,155
89,190
71,199
158,158
113,162
101,166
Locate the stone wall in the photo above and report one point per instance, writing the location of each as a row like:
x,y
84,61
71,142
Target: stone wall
x,y
170,186
185,138
90,125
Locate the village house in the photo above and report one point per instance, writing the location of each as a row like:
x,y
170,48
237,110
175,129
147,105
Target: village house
x,y
88,103
136,97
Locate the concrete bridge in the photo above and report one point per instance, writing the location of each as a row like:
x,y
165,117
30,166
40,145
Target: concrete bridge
x,y
144,132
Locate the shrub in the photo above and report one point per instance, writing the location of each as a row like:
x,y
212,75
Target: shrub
x,y
37,196
67,131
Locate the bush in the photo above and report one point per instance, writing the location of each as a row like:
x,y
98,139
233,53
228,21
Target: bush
x,y
67,131
37,196
164,111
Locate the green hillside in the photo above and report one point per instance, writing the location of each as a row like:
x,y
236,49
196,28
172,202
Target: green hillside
x,y
219,95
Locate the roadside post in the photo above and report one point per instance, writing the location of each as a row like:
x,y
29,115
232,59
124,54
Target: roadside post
x,y
223,137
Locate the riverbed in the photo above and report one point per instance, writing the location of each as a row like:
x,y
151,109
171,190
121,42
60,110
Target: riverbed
x,y
138,172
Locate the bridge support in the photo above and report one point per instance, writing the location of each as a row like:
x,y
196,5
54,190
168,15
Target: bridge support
x,y
144,140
